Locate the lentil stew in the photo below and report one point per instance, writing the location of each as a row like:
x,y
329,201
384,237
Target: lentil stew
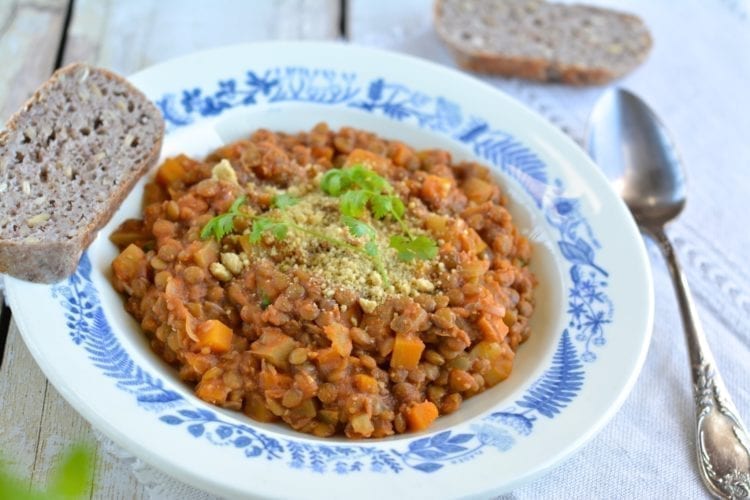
x,y
334,280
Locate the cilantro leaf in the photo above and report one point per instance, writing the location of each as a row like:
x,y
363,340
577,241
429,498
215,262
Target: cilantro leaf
x,y
354,203
222,224
334,181
398,207
371,248
262,225
367,179
357,227
284,200
419,247
383,205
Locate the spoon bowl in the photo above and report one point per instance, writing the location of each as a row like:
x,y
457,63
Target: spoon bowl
x,y
645,169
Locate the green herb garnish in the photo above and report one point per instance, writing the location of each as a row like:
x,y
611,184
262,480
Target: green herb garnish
x,y
266,225
410,248
284,200
222,224
265,300
360,189
358,228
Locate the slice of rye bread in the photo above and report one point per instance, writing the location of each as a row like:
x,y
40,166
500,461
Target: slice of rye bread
x,y
538,40
67,160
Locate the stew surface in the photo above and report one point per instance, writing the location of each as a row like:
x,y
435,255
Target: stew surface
x,y
334,280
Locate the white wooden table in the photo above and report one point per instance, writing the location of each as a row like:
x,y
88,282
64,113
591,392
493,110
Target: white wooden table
x,y
36,36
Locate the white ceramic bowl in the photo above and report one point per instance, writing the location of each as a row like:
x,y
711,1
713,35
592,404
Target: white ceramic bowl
x,y
591,327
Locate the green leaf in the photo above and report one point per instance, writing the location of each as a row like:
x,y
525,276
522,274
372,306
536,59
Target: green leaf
x,y
420,247
371,248
381,205
284,200
265,300
354,203
73,475
384,204
15,488
367,179
262,225
398,207
222,224
357,227
236,204
279,230
332,182
259,226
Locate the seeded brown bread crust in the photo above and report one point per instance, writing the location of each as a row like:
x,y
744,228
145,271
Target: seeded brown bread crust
x,y
67,160
538,40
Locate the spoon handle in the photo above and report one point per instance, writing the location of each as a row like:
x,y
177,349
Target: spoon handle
x,y
722,441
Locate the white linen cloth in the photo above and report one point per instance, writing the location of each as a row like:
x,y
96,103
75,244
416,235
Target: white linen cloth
x,y
698,80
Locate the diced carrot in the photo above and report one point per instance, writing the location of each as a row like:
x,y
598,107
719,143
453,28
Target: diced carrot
x,y
215,335
367,159
171,170
130,264
436,188
338,334
366,383
492,327
329,361
274,346
407,350
420,416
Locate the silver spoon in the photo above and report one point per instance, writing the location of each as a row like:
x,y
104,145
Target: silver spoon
x,y
631,145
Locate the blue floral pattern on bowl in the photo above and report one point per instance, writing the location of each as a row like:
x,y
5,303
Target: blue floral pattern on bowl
x,y
589,307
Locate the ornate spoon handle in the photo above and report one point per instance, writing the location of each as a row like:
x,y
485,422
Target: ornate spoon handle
x,y
722,442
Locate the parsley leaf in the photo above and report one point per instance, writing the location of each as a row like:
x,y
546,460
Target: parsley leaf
x,y
334,181
222,224
354,203
357,227
383,205
284,200
262,225
371,248
419,247
358,189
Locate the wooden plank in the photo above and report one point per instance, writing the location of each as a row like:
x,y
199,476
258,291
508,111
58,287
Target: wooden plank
x,y
30,31
22,391
127,36
60,426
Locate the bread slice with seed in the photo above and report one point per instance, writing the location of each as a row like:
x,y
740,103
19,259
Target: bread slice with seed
x,y
67,160
544,41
